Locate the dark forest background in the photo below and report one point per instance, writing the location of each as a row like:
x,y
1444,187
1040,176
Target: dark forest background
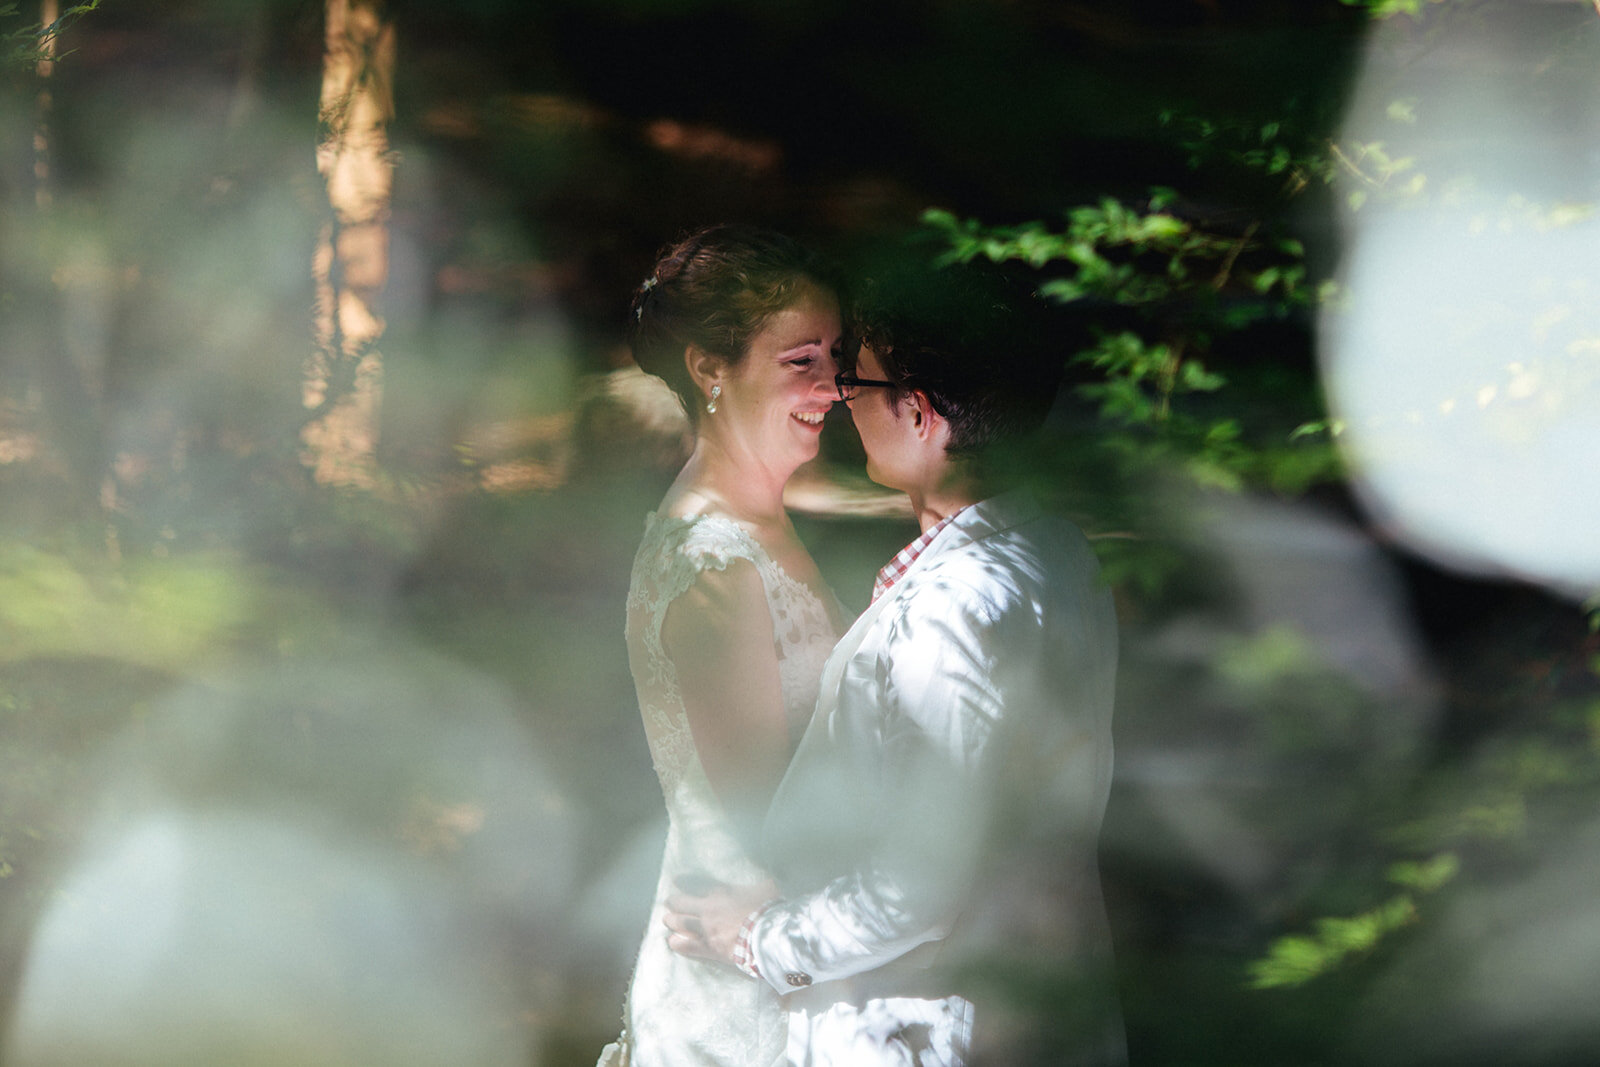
x,y
317,739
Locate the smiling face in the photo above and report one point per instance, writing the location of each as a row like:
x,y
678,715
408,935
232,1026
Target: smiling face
x,y
773,400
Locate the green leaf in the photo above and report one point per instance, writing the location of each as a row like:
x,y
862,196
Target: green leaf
x,y
1403,110
1428,875
1062,290
1223,431
1195,378
1330,427
1291,961
1164,227
1210,474
1162,198
1296,959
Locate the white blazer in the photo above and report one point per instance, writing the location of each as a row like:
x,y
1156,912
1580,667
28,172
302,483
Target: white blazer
x,y
938,823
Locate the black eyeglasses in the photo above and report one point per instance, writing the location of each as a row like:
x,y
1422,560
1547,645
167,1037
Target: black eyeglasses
x,y
849,384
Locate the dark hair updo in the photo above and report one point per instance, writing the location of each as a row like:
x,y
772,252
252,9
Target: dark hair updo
x,y
716,289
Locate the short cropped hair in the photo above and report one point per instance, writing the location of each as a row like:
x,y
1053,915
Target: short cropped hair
x,y
975,340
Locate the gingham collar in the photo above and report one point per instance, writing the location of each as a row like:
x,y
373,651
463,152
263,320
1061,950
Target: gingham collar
x,y
896,568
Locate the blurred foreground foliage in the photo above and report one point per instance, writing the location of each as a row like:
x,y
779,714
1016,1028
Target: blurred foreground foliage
x,y
162,614
1197,367
479,538
1296,959
1190,377
1186,288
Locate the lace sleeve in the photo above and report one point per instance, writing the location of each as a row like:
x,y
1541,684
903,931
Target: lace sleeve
x,y
676,556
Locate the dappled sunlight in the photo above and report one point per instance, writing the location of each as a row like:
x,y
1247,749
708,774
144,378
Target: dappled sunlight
x,y
163,614
351,262
824,488
695,141
323,463
555,111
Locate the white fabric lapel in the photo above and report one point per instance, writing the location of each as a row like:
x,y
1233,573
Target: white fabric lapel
x,y
848,646
976,522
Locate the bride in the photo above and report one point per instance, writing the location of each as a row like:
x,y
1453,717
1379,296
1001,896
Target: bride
x,y
729,621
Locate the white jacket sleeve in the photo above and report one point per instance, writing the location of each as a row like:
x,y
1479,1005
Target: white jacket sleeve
x,y
931,698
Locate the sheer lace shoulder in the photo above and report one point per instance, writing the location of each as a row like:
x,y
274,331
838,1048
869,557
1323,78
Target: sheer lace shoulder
x,y
672,555
682,1010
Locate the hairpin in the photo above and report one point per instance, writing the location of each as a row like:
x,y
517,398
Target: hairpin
x,y
644,291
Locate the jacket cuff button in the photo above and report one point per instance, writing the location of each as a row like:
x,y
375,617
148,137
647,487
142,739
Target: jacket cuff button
x,y
798,979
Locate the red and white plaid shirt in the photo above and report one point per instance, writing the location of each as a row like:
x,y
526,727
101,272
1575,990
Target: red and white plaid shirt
x,y
896,568
744,956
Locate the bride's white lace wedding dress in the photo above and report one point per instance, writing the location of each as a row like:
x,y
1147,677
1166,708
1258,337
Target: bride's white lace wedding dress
x,y
683,1011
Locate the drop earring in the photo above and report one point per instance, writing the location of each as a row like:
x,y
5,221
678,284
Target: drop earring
x,y
711,405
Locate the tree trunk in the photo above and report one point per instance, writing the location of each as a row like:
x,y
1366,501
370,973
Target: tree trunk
x,y
49,11
64,383
343,382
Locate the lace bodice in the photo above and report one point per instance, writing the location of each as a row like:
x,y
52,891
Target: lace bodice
x,y
672,554
685,1012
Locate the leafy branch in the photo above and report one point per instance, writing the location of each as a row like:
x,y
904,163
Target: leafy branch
x,y
1184,283
1297,959
1385,9
36,43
